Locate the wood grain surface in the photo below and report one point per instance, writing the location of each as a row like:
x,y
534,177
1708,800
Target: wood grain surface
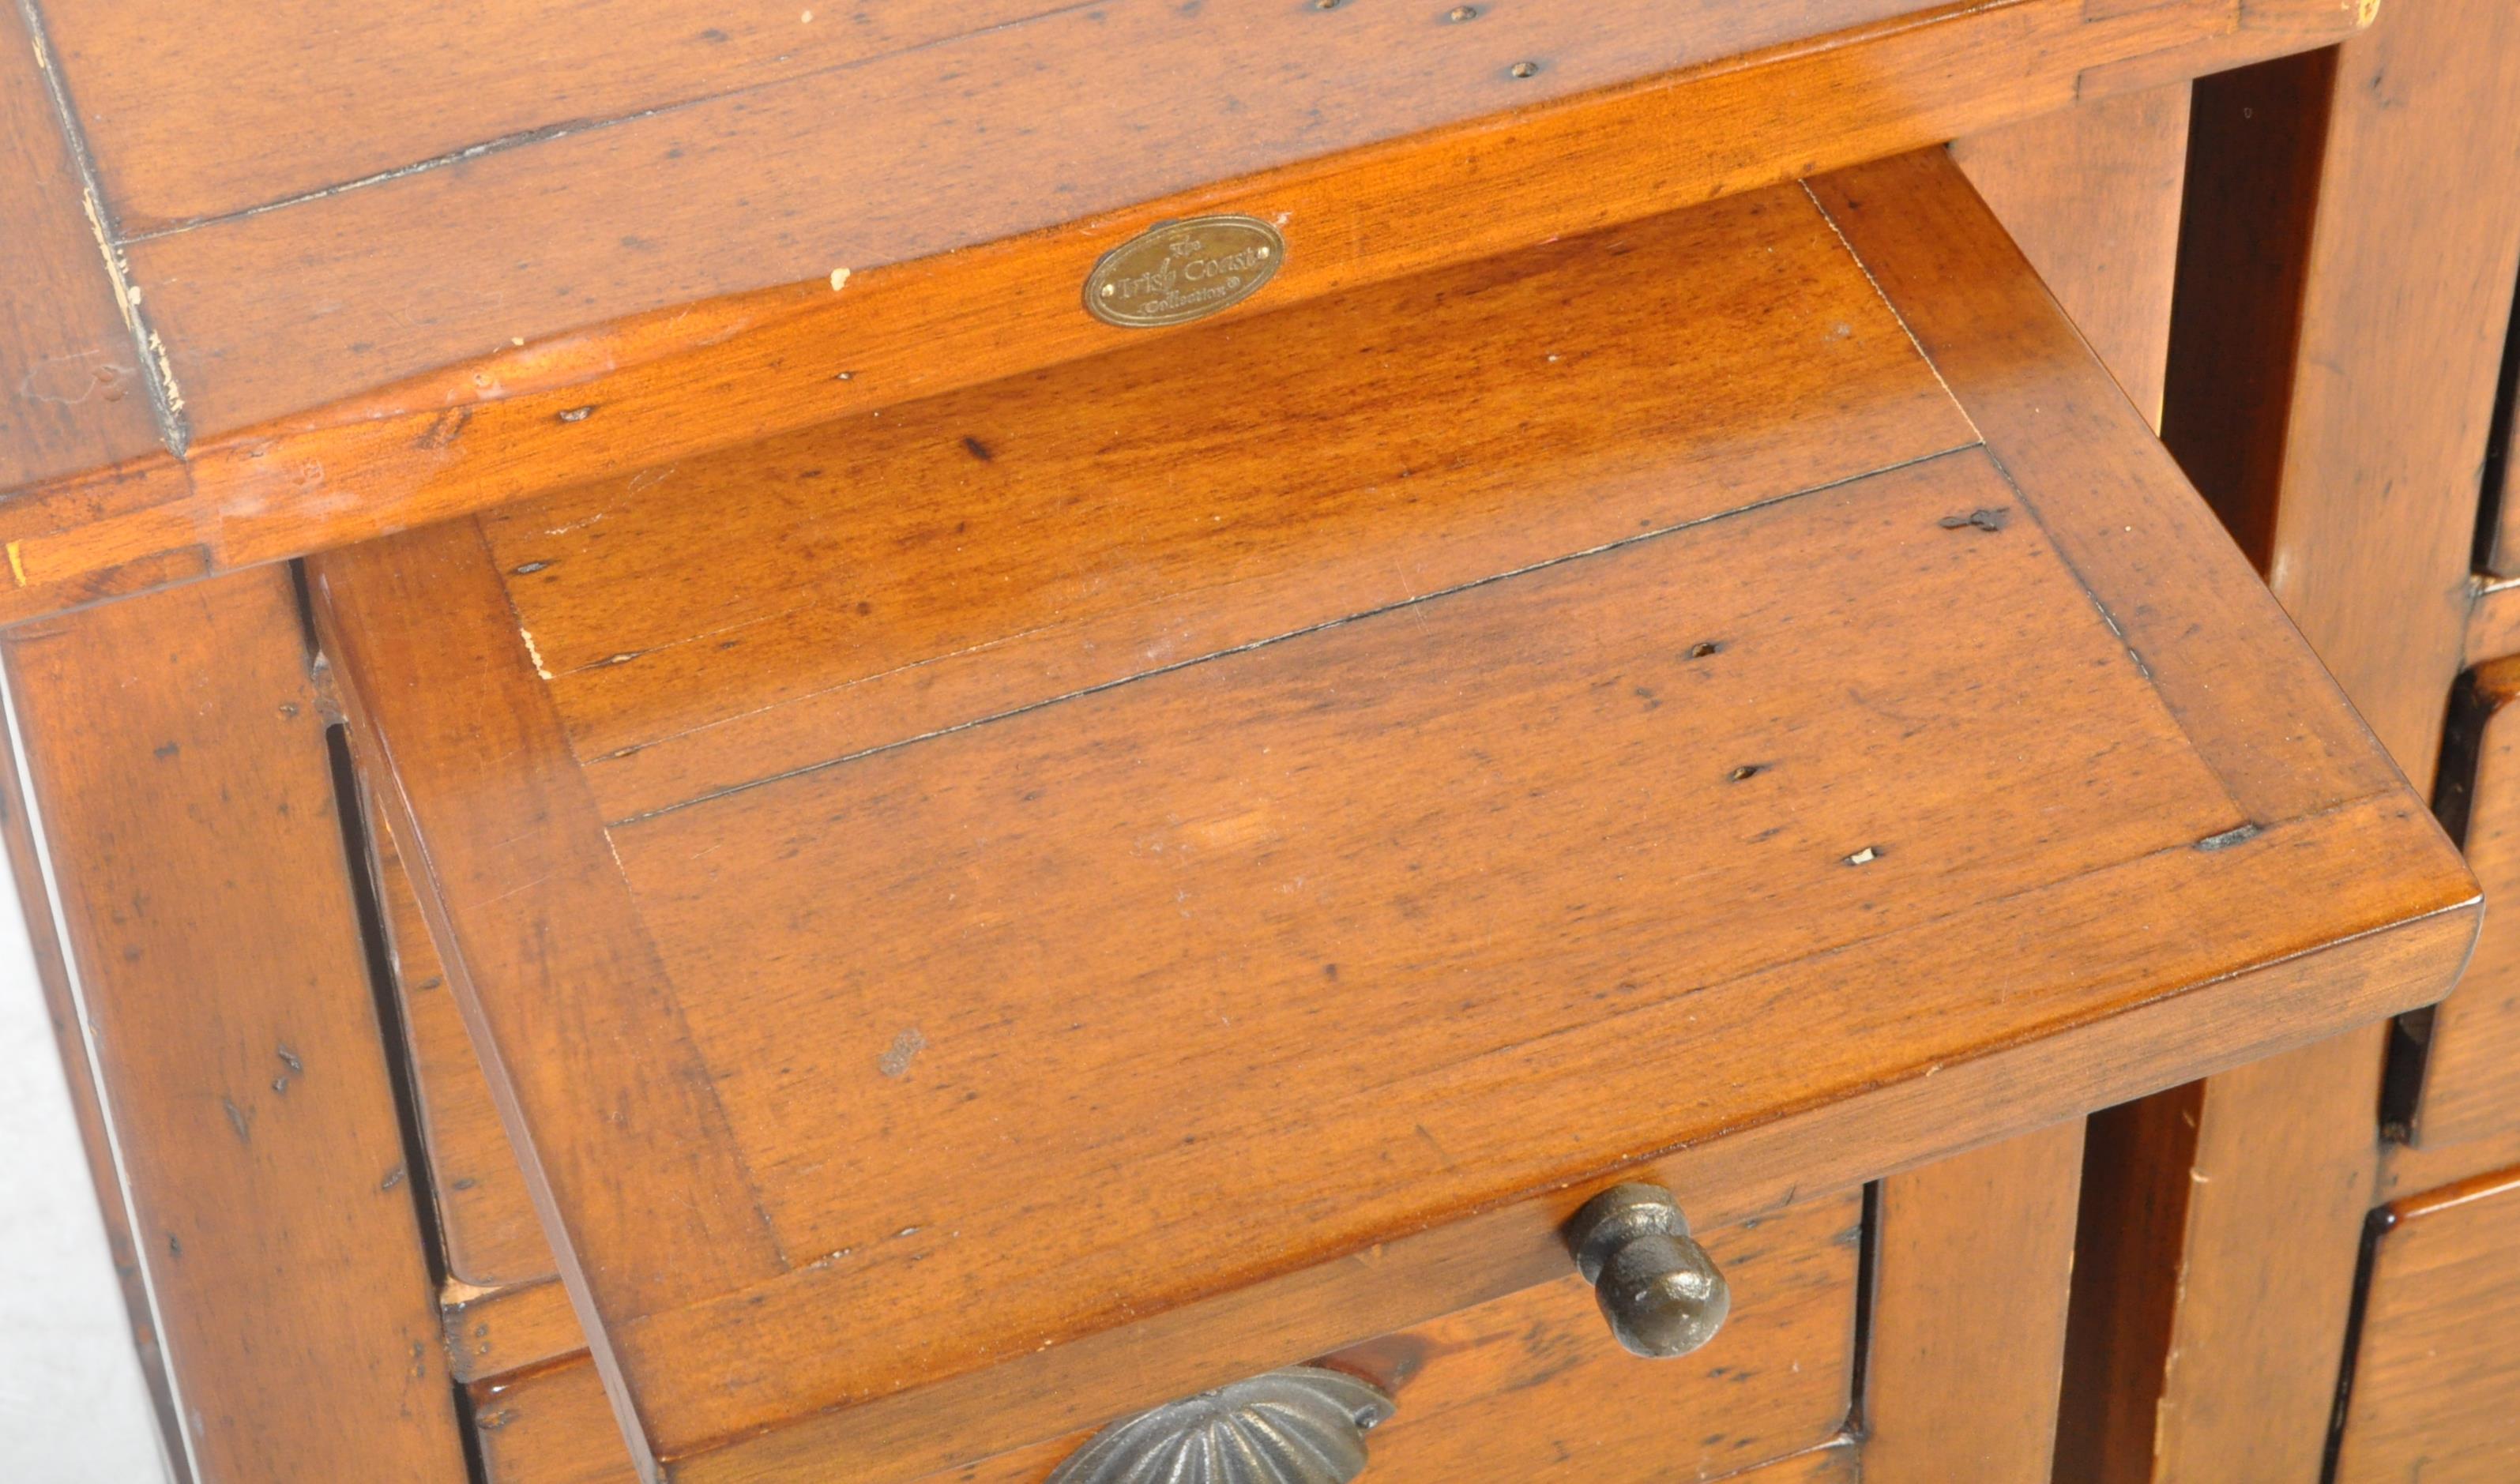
x,y
1528,1386
2330,390
2055,419
72,396
973,138
1971,1268
2493,620
2091,195
178,755
1290,840
391,375
2468,1085
485,1220
52,980
502,1332
885,578
2439,1356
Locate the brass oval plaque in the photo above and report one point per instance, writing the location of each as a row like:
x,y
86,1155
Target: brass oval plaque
x,y
1178,271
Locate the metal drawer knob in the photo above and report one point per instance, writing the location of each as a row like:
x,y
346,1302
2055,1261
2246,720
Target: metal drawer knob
x,y
1659,1290
1301,1426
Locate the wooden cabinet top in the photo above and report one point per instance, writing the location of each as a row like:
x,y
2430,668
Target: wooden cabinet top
x,y
280,280
1016,905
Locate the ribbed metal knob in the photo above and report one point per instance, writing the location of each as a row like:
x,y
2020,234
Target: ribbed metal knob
x,y
1301,1426
1659,1290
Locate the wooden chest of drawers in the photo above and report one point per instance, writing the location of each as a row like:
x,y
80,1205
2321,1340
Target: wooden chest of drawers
x,y
1608,744
1087,888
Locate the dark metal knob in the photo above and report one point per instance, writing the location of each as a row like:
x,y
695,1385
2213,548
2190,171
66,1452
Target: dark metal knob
x,y
1659,1290
1301,1426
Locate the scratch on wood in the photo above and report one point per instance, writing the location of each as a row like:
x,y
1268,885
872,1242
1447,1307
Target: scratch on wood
x,y
238,1119
157,371
17,564
531,652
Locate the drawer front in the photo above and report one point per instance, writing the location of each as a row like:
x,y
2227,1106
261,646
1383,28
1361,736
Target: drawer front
x,y
1088,888
485,1219
2437,1371
2467,1085
1529,1386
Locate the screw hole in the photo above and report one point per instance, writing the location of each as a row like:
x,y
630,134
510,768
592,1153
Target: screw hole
x,y
1745,772
1524,69
1702,650
1460,13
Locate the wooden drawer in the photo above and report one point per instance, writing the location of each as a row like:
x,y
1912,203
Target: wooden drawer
x,y
2438,1365
992,913
487,1224
2456,1078
1521,1387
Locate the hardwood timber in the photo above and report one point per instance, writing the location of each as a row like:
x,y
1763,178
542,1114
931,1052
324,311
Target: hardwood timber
x,y
549,1426
485,1220
2091,194
26,865
1265,788
1836,1463
2051,414
2469,1085
2439,1363
2492,620
178,760
2409,1170
394,376
1530,1387
1527,1386
506,1331
1972,1264
2497,554
980,138
2373,499
71,393
674,688
2130,1230
2330,391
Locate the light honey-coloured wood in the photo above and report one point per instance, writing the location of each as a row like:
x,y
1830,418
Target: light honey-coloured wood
x,y
2438,1361
176,750
1528,1386
2347,271
393,377
1292,804
2091,195
1972,1265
